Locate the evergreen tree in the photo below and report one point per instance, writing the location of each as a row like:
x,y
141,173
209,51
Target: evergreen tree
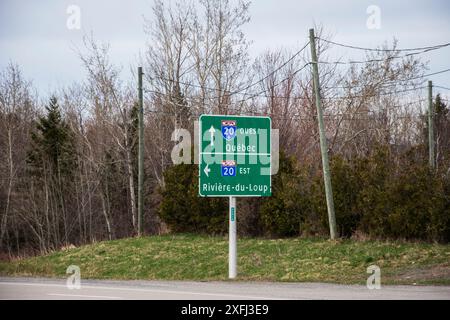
x,y
51,163
180,106
52,142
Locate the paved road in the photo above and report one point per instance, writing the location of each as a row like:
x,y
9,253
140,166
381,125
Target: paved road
x,y
40,288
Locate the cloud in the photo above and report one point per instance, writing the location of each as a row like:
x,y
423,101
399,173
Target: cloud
x,y
34,33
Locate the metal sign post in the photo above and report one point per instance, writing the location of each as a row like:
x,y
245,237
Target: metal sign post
x,y
232,242
234,161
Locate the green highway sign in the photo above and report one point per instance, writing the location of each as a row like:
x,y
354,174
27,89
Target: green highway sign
x,y
234,156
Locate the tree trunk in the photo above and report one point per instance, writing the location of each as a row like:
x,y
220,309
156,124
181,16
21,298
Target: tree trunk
x,y
10,185
131,186
105,213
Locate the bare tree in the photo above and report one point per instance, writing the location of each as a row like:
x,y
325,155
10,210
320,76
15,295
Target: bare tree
x,y
16,116
112,103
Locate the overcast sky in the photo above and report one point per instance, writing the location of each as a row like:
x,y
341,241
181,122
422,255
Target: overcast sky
x,y
34,35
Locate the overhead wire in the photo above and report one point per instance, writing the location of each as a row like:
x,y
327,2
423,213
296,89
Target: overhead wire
x,y
394,82
244,87
276,70
441,87
378,60
263,93
428,48
275,85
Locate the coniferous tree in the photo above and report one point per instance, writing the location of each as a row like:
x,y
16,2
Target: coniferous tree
x,y
52,142
51,163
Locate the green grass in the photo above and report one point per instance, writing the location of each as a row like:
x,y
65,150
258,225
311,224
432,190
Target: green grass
x,y
191,257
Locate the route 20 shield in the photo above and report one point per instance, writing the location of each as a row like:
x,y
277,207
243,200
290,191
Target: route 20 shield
x,y
228,129
228,168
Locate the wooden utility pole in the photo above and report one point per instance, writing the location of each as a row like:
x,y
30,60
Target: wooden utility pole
x,y
323,138
431,125
140,156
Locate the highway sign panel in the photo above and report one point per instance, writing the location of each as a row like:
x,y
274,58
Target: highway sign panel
x,y
235,156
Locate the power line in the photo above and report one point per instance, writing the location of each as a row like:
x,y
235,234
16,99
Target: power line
x,y
275,85
381,85
366,96
355,96
371,115
379,60
187,84
244,88
428,48
429,74
441,87
379,94
342,117
394,82
258,94
261,93
167,94
274,71
389,83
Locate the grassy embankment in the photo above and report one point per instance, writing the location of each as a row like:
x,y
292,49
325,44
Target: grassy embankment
x,y
191,257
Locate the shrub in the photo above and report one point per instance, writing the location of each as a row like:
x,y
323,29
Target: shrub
x,y
183,210
376,195
406,200
286,213
418,202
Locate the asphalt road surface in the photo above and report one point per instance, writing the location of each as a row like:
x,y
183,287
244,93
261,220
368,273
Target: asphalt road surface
x,y
56,289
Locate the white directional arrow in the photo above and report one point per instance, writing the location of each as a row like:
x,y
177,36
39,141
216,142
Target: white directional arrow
x,y
212,131
207,170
